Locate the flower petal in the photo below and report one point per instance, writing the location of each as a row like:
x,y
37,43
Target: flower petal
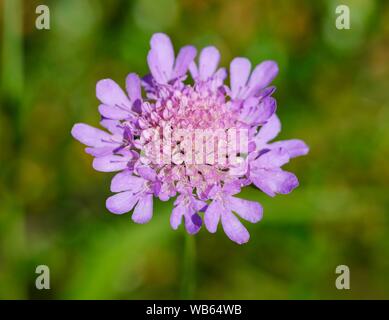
x,y
208,61
268,131
248,210
249,110
294,147
266,109
266,92
121,202
231,188
113,126
153,62
147,173
133,87
144,209
212,215
218,78
192,222
256,112
161,57
194,71
274,158
114,112
110,163
100,151
89,135
198,205
110,93
126,181
239,73
274,181
262,76
176,216
234,229
184,58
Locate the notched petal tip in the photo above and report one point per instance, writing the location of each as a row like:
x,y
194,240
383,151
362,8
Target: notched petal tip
x,y
250,211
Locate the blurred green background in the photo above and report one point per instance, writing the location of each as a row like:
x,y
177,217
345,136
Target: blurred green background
x,y
332,93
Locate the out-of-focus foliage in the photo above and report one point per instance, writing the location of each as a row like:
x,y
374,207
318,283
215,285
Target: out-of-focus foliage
x,y
332,92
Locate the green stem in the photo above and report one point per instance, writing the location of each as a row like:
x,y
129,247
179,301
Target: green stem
x,y
189,268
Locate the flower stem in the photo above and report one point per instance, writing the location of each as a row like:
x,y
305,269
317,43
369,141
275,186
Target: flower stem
x,y
189,268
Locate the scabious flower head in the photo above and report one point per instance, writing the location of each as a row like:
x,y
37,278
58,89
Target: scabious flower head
x,y
198,140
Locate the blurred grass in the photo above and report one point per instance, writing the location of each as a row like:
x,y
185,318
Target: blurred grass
x,y
12,210
332,92
116,259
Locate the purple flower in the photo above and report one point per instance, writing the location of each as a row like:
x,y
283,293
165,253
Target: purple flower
x,y
200,141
